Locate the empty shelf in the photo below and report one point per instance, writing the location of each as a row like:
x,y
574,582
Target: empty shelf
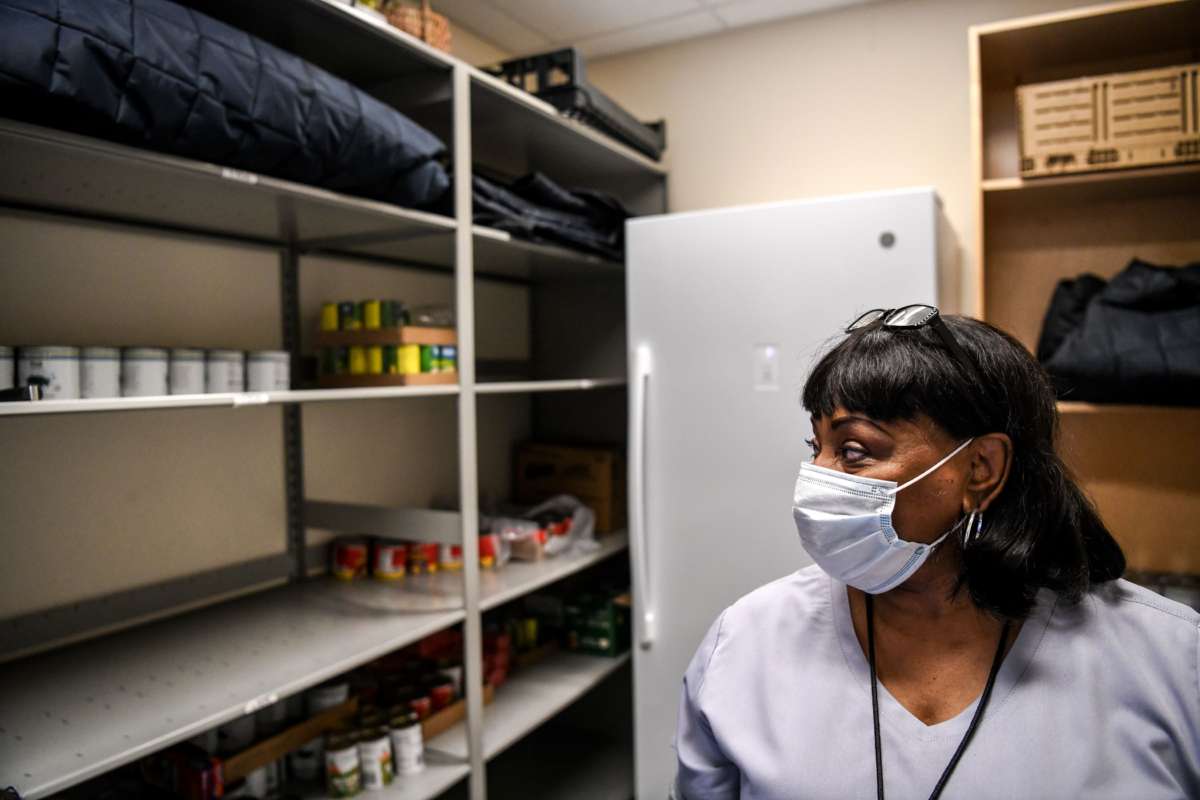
x,y
529,698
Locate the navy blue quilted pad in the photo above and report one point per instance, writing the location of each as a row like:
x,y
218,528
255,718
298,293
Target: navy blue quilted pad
x,y
157,75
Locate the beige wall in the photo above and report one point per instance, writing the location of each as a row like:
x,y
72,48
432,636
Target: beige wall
x,y
473,48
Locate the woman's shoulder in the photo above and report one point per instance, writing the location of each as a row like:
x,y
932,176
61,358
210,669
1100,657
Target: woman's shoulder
x,y
1136,627
1123,603
749,633
785,606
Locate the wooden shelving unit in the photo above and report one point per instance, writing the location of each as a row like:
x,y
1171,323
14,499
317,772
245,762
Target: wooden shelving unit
x,y
1030,234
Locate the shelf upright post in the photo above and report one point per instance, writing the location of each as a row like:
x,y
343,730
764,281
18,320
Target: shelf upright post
x,y
293,442
464,294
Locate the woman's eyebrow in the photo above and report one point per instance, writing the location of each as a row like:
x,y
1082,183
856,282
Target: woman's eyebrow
x,y
840,421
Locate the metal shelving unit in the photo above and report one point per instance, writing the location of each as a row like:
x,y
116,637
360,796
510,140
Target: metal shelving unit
x,y
77,710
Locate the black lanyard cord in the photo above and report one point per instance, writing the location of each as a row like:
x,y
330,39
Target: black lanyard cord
x,y
975,719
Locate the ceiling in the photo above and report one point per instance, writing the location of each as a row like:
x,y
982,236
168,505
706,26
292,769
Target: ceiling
x,y
606,27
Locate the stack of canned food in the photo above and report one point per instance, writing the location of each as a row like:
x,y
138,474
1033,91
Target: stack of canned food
x,y
355,557
381,359
71,373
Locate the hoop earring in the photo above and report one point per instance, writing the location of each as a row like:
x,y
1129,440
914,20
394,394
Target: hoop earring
x,y
973,528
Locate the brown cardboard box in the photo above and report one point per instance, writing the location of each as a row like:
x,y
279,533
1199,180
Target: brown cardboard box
x,y
596,475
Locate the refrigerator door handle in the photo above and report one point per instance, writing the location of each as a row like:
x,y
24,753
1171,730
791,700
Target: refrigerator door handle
x,y
643,595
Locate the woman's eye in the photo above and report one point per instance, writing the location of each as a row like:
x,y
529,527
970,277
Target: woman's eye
x,y
852,454
812,443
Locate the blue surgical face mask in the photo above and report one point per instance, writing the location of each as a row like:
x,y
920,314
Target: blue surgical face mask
x,y
845,524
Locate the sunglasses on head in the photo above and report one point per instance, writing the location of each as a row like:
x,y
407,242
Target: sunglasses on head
x,y
912,317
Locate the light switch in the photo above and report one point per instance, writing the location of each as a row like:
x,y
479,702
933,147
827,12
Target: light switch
x,y
766,367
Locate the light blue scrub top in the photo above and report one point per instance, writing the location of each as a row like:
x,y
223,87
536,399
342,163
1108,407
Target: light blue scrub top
x,y
1096,700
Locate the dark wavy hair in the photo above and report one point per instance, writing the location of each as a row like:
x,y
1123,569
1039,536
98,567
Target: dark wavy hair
x,y
1041,531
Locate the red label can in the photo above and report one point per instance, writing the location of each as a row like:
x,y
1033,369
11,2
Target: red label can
x,y
391,560
349,559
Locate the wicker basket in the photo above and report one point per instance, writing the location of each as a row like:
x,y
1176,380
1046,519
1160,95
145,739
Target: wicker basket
x,y
421,22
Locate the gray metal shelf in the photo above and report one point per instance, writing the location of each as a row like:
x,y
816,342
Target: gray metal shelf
x,y
518,578
529,698
74,713
61,173
569,385
220,400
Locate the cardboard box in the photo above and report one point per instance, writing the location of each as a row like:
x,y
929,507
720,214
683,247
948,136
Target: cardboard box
x,y
1106,122
596,475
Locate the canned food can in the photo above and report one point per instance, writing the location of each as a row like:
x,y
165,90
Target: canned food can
x,y
283,370
410,359
349,316
375,360
326,696
441,695
450,556
421,704
305,762
400,316
375,756
143,372
427,358
408,746
386,318
371,315
489,548
349,559
343,775
422,557
224,371
358,360
8,368
449,358
185,371
329,317
391,560
100,372
391,359
267,371
54,369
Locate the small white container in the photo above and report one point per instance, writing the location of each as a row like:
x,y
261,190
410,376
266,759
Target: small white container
x,y
8,368
143,372
100,372
408,749
375,761
323,698
225,371
267,371
186,371
55,369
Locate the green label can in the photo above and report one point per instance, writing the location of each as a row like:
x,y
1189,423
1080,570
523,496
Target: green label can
x,y
427,358
349,316
449,358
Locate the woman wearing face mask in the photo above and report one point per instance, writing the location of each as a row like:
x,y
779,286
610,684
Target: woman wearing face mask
x,y
964,632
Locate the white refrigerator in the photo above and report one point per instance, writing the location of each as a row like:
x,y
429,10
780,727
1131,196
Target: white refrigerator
x,y
727,311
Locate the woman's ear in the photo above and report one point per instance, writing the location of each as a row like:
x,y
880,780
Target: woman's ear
x,y
991,460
